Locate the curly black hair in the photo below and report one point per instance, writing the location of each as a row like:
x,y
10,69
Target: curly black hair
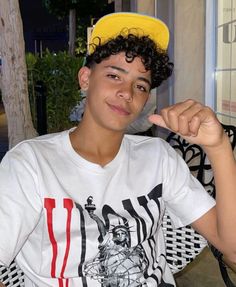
x,y
153,57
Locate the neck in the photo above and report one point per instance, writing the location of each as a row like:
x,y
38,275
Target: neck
x,y
96,144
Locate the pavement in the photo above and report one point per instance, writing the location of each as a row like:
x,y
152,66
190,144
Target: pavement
x,y
204,271
3,132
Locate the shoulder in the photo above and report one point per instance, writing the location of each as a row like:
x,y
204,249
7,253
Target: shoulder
x,y
148,147
151,148
146,142
30,149
45,140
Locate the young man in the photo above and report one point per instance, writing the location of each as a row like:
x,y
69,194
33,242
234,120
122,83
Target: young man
x,y
84,207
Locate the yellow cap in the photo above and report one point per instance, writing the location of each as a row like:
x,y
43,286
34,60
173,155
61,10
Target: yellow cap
x,y
112,25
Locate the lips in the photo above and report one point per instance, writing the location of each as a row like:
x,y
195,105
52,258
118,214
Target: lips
x,y
119,110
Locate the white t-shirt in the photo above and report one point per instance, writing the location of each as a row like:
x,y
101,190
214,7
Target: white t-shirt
x,y
70,222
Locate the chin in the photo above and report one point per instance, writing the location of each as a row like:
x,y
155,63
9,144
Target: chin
x,y
116,127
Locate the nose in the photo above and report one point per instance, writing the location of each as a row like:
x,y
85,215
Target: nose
x,y
126,92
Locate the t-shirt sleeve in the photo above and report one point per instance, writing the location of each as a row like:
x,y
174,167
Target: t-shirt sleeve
x,y
185,198
20,204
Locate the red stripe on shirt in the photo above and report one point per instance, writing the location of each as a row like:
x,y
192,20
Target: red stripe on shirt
x,y
68,204
49,204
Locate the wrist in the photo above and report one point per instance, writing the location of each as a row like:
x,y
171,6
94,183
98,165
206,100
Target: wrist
x,y
220,149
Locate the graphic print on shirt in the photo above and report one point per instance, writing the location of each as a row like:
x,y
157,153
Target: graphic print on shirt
x,y
117,261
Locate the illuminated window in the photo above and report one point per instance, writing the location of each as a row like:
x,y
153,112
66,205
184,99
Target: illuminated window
x,y
225,64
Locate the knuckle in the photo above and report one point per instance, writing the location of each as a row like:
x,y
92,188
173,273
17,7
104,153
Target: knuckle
x,y
172,113
182,118
208,109
198,105
196,118
190,101
163,111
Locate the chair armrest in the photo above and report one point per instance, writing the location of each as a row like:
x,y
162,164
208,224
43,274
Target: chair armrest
x,y
230,264
223,263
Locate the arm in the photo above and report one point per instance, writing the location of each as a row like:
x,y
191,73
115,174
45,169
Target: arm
x,y
1,285
198,124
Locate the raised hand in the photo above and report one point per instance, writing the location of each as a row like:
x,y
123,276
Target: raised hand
x,y
193,121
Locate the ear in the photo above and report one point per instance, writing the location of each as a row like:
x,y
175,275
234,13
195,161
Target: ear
x,y
83,77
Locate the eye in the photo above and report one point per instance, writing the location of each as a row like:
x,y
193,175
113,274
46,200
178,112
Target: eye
x,y
142,88
113,76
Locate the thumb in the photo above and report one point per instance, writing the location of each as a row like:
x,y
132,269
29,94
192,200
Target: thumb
x,y
157,120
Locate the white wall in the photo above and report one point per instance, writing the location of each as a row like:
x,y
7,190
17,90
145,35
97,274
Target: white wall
x,y
189,49
146,7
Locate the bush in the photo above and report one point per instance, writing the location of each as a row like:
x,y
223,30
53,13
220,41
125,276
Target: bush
x,y
58,72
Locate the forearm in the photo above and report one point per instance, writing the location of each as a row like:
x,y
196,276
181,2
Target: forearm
x,y
224,168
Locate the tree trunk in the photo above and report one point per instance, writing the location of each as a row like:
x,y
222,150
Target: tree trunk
x,y
14,74
72,31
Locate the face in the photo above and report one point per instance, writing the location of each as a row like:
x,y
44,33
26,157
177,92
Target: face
x,y
120,236
116,91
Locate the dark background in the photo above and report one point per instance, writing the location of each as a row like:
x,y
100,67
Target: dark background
x,y
42,28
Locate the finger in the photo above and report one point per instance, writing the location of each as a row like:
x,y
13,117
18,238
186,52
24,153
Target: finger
x,y
158,120
205,116
188,122
171,115
194,125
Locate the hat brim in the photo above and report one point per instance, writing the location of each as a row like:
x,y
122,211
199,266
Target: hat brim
x,y
112,25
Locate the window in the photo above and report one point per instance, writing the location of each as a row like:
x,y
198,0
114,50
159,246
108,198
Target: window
x,y
225,62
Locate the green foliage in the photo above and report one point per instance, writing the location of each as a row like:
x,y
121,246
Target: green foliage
x,y
81,46
81,39
58,72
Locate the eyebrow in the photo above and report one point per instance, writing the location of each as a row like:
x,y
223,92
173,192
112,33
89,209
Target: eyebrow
x,y
126,72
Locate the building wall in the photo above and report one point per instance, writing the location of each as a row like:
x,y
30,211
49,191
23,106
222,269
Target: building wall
x,y
146,7
189,49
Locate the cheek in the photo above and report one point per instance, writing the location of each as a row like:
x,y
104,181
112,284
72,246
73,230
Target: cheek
x,y
99,89
93,101
140,103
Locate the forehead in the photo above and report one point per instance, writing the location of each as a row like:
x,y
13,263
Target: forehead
x,y
120,229
121,60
